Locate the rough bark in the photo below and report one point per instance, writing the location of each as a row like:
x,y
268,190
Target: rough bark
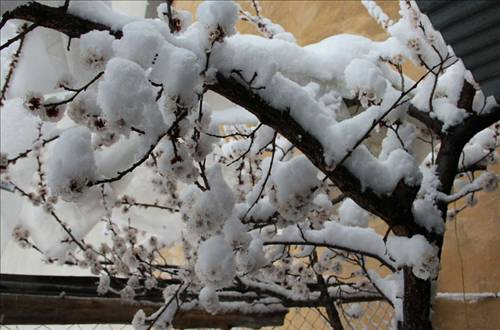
x,y
56,18
333,315
416,302
395,209
417,292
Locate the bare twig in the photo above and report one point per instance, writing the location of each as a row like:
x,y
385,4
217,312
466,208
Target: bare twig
x,y
266,178
20,36
77,92
12,66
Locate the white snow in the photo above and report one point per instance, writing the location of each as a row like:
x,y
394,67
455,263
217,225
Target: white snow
x,y
125,94
100,12
295,182
214,14
396,251
68,176
215,265
140,42
350,214
96,50
427,215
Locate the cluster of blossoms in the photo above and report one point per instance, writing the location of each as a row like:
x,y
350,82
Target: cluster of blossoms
x,y
21,236
293,199
47,109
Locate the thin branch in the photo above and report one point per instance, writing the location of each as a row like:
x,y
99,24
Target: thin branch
x,y
19,36
12,66
266,178
252,137
121,174
175,297
332,246
203,175
66,5
77,92
149,205
28,151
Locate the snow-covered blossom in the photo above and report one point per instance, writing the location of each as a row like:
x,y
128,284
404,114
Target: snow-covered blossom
x,y
67,80
295,184
215,265
235,233
488,181
47,109
104,282
150,283
367,80
140,43
176,162
133,281
51,111
139,320
209,299
206,211
179,69
127,293
218,14
428,215
95,49
21,235
68,176
252,258
181,18
124,95
33,101
83,107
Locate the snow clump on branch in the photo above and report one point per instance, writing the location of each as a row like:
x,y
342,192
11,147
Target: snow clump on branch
x,y
68,176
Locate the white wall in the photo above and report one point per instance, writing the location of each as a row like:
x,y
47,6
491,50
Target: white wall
x,y
134,8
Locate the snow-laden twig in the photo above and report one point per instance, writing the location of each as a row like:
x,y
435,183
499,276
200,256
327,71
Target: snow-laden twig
x,y
486,181
377,13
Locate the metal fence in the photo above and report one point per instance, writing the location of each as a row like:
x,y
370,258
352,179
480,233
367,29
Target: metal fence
x,y
360,316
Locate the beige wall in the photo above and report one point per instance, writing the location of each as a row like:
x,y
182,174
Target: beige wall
x,y
471,263
471,255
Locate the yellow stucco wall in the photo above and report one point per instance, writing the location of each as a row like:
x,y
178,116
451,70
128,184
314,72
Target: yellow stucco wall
x,y
471,255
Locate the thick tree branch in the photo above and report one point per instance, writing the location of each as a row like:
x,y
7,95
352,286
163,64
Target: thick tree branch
x,y
433,124
390,208
56,18
454,142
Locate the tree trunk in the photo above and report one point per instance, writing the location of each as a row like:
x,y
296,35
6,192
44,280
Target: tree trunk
x,y
333,315
416,302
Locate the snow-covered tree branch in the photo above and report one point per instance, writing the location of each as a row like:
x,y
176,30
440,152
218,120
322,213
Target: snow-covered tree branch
x,y
268,210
